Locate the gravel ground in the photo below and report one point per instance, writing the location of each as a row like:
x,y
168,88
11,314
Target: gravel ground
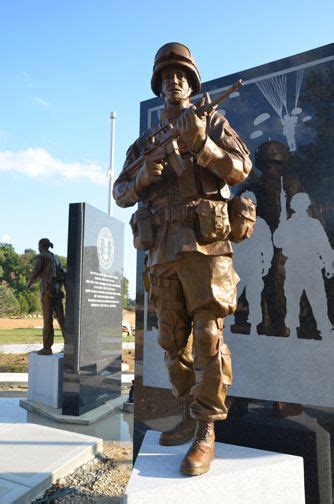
x,y
103,479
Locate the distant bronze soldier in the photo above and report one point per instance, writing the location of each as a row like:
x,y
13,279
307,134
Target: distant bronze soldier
x,y
52,275
183,223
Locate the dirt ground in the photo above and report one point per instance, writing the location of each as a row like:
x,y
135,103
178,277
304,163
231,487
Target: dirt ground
x,y
128,356
18,363
31,322
23,323
103,479
130,316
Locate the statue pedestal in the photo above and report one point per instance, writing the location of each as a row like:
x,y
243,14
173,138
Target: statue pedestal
x,y
45,379
238,475
308,435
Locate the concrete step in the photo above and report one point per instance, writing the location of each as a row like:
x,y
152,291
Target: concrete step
x,y
34,456
238,475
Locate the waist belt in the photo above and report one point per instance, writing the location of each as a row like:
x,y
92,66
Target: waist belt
x,y
158,281
175,213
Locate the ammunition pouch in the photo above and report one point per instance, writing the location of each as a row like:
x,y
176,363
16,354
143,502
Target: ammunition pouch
x,y
242,214
212,223
142,229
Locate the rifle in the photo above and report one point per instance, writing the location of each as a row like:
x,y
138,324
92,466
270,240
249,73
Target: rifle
x,y
168,136
283,199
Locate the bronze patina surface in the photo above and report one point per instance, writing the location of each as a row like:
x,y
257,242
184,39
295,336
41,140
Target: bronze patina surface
x,y
183,223
52,276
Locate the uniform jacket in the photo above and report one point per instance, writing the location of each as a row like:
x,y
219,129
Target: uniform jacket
x,y
49,270
223,160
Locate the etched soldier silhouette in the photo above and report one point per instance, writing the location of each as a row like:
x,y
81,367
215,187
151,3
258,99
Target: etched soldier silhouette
x,y
52,276
304,242
252,260
274,161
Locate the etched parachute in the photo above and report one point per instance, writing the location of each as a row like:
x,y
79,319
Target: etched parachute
x,y
275,90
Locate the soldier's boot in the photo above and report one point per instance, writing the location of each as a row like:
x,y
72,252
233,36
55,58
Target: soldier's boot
x,y
48,337
182,432
202,451
45,351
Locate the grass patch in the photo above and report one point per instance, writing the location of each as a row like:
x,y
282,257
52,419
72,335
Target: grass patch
x,y
25,336
127,339
13,363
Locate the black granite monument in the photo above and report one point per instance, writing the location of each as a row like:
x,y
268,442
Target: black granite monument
x,y
281,337
92,370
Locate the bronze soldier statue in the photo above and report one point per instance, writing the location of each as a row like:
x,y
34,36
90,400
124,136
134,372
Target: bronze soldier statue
x,y
183,223
52,276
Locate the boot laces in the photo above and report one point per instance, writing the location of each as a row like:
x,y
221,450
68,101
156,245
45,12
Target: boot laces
x,y
203,432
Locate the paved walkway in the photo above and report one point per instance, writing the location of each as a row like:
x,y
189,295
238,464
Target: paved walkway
x,y
34,456
57,347
32,347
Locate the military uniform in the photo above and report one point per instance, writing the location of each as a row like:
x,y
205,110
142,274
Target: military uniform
x,y
48,269
193,283
183,223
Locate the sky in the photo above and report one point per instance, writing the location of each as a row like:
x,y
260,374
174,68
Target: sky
x,y
66,65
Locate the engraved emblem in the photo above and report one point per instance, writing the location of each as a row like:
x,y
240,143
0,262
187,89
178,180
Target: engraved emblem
x,y
105,248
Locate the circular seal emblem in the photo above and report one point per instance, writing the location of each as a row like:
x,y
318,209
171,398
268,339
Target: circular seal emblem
x,y
105,248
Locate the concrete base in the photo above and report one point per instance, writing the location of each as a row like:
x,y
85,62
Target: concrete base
x,y
14,379
45,380
88,418
128,407
33,457
238,475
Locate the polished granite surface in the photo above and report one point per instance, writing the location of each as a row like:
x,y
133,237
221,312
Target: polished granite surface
x,y
116,427
92,353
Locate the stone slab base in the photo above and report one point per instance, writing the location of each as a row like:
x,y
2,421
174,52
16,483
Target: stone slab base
x,y
45,382
34,456
238,475
88,418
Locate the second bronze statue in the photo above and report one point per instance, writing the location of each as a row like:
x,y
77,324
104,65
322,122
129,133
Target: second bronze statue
x,y
52,275
184,225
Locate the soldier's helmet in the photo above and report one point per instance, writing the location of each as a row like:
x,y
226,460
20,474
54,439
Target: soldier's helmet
x,y
175,53
300,202
271,152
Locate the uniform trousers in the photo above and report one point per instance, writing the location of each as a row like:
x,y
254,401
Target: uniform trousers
x,y
193,295
51,304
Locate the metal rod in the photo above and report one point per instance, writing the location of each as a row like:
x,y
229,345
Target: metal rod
x,y
111,162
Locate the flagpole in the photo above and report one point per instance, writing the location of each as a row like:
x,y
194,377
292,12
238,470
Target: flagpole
x,y
111,162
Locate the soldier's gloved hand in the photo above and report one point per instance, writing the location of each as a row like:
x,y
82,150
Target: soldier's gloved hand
x,y
192,129
149,173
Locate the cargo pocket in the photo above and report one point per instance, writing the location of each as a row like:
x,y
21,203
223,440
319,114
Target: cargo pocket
x,y
226,364
142,229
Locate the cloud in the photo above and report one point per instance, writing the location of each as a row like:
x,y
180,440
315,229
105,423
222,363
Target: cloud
x,y
42,102
39,163
6,238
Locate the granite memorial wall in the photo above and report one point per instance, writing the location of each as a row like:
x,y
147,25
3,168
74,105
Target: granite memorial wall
x,y
281,336
92,369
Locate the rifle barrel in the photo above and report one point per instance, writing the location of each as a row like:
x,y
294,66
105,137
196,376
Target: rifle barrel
x,y
211,106
174,133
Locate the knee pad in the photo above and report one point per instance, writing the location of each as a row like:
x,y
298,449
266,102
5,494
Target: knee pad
x,y
207,333
174,334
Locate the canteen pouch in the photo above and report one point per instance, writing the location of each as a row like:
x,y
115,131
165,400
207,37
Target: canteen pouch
x,y
142,229
212,223
242,213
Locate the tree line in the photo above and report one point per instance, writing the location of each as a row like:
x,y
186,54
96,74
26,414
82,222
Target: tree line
x,y
15,270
